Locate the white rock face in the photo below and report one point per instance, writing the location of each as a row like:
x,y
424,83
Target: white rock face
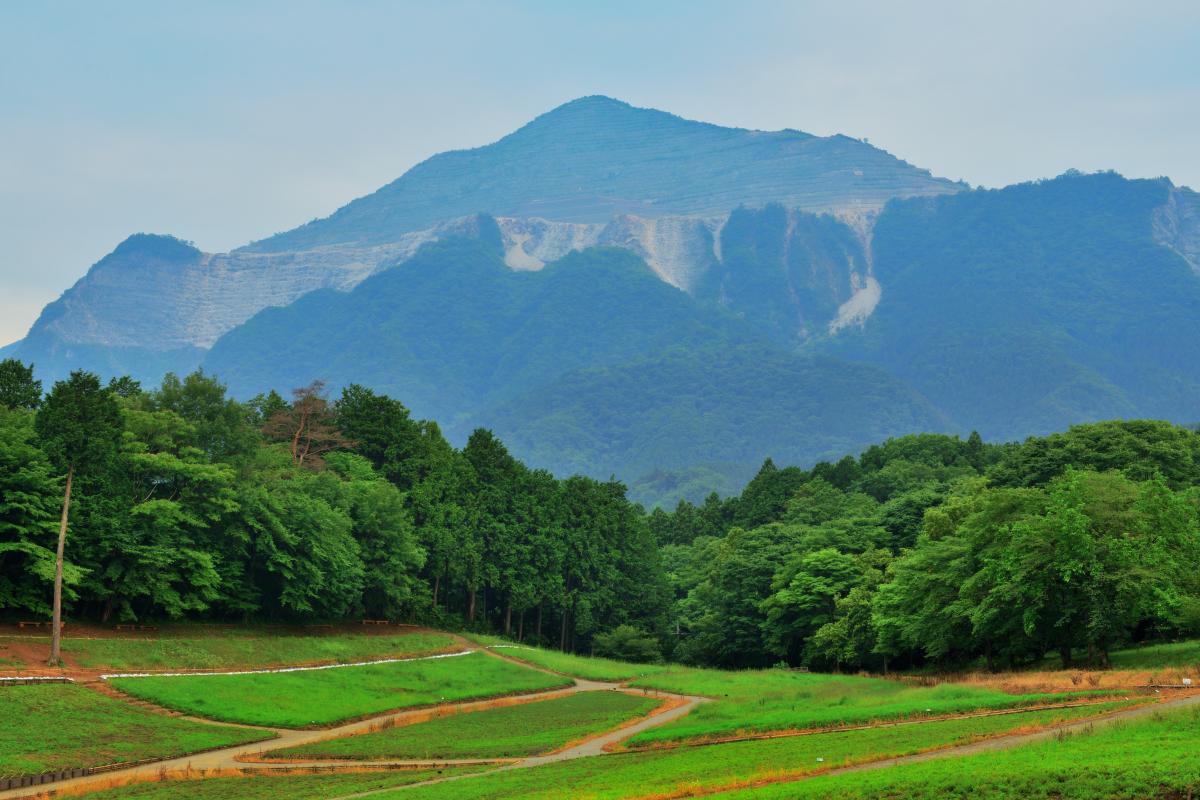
x,y
531,243
678,249
135,300
867,293
1177,225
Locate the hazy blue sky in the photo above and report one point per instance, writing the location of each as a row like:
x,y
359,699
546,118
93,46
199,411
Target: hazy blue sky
x,y
225,122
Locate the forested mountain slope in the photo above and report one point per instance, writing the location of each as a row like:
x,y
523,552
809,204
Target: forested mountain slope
x,y
1026,309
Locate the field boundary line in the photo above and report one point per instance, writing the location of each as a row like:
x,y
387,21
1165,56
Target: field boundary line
x,y
276,670
885,723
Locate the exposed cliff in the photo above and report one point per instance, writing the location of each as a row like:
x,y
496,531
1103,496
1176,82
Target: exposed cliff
x,y
1177,225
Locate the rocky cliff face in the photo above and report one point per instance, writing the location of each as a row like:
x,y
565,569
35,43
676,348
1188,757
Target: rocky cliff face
x,y
1177,225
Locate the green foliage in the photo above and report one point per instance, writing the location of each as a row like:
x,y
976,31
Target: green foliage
x,y
79,424
29,502
18,388
627,643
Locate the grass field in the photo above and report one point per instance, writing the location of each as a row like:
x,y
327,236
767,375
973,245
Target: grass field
x,y
592,669
272,787
702,769
1173,654
227,650
58,726
518,730
765,700
1152,758
320,697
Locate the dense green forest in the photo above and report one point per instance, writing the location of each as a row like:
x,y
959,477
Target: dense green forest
x,y
925,549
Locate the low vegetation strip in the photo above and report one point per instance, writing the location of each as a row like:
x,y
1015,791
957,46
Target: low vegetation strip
x,y
278,670
313,698
1151,758
232,650
770,700
694,771
586,667
258,786
513,731
62,726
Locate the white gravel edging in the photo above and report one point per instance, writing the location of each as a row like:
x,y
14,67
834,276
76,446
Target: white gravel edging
x,y
281,669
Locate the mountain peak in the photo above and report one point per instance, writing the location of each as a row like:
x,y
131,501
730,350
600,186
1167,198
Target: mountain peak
x,y
596,158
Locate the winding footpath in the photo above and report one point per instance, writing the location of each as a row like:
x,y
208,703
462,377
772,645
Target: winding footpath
x,y
256,756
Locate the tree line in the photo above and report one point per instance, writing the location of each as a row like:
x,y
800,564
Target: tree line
x,y
934,550
181,502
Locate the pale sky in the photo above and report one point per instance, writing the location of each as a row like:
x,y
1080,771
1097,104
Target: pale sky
x,y
225,122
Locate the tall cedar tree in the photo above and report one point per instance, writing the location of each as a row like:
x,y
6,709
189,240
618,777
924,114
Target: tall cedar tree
x,y
80,428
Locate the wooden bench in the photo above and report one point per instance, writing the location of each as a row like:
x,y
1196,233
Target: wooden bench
x,y
129,627
37,624
375,622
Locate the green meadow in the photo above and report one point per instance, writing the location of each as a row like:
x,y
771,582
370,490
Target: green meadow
x,y
776,699
708,768
1147,758
274,787
231,650
325,696
61,726
519,730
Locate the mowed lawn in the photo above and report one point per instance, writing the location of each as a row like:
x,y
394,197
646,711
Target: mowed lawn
x,y
273,787
60,726
589,668
1148,758
776,699
235,649
324,696
518,730
697,770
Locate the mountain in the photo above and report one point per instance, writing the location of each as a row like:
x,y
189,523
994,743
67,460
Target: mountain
x,y
596,158
620,291
594,171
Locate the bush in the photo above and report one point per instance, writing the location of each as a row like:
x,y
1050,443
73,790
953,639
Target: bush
x,y
627,643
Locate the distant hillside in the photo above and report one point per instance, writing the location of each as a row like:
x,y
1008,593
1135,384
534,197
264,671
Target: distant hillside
x,y
724,408
1023,310
453,328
